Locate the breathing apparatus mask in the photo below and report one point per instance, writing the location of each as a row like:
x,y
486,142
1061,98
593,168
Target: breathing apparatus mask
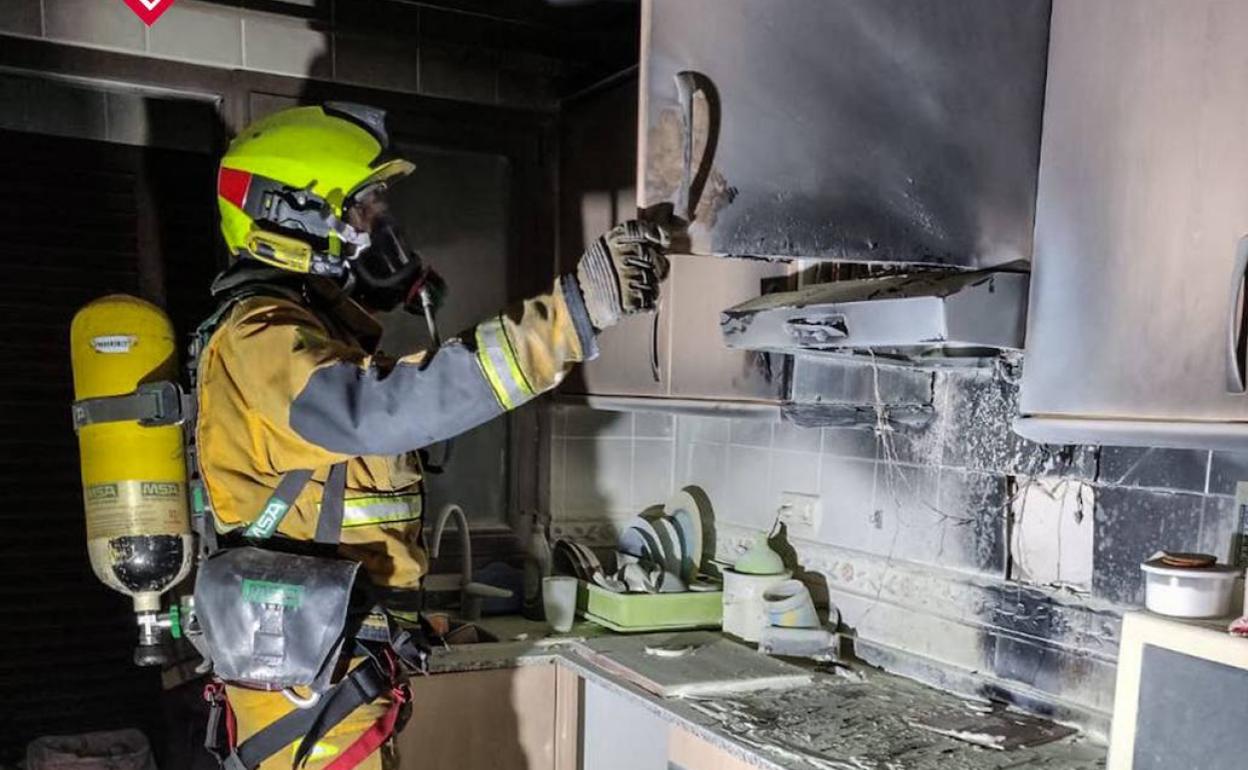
x,y
386,271
368,251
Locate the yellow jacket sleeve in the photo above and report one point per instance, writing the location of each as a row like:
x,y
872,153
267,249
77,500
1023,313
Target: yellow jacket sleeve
x,y
310,389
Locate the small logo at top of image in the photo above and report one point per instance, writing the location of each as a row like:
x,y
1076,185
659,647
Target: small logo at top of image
x,y
148,10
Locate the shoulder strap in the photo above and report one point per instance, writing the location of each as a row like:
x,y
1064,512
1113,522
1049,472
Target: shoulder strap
x,y
278,504
333,503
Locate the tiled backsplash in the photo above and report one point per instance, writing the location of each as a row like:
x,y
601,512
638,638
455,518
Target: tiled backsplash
x,y
958,551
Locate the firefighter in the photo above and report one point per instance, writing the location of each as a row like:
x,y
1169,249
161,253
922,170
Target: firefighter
x,y
291,377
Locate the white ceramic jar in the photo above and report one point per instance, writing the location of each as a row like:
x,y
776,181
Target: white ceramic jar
x,y
1188,592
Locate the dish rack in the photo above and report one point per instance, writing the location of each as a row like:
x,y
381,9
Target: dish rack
x,y
637,613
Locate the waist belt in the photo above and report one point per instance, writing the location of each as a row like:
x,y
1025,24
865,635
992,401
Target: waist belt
x,y
384,670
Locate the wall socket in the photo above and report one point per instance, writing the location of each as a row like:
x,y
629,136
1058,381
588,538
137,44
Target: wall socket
x,y
801,513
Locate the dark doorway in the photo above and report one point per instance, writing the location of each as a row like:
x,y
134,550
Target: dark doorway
x,y
81,219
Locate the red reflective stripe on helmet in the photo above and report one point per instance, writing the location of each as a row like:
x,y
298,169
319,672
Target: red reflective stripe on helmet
x,y
233,184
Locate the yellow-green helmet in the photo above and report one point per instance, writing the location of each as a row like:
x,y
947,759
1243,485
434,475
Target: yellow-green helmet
x,y
286,181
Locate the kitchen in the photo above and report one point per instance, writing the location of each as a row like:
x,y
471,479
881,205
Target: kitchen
x,y
903,354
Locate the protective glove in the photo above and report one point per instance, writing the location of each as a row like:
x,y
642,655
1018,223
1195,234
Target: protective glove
x,y
619,273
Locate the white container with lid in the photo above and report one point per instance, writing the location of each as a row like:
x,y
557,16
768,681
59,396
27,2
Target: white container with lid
x,y
1188,592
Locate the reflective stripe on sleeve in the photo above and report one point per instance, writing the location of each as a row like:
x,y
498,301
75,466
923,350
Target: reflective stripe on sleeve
x,y
498,361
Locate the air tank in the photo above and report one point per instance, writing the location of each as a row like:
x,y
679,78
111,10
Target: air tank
x,y
134,475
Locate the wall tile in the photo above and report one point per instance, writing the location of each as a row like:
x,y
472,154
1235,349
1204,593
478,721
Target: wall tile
x,y
377,61
1221,530
703,429
654,425
106,24
1054,670
287,46
706,466
583,421
849,442
745,431
458,55
1052,535
260,105
21,17
846,492
1226,470
599,477
458,72
199,32
786,435
652,472
1131,525
746,499
794,472
915,445
379,18
1183,470
972,515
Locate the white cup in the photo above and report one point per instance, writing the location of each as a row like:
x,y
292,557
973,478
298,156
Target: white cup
x,y
559,599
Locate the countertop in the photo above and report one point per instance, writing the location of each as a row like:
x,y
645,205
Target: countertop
x,y
850,717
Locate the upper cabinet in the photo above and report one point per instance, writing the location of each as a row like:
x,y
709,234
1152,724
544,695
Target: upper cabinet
x,y
1136,331
858,130
598,159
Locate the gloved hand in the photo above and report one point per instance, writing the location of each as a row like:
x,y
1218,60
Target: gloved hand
x,y
619,273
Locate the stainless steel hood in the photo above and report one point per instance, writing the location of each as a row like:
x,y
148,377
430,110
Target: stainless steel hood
x,y
932,317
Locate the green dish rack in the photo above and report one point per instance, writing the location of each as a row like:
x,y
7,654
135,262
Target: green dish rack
x,y
635,613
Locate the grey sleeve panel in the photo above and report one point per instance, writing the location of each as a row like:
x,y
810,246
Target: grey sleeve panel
x,y
355,411
580,316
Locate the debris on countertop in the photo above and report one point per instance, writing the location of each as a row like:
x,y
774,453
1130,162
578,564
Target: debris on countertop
x,y
847,717
994,727
872,722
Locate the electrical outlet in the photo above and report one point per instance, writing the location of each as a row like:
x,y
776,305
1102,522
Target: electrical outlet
x,y
801,514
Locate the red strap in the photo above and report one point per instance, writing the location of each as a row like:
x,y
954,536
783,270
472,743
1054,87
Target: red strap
x,y
372,739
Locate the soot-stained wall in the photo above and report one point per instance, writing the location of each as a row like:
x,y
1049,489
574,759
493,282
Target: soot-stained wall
x,y
957,552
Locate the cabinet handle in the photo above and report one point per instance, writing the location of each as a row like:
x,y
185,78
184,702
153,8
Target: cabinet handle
x,y
693,177
1237,323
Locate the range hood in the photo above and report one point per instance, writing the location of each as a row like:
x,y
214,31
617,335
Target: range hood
x,y
928,318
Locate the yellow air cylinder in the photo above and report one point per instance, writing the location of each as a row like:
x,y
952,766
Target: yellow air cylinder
x,y
133,476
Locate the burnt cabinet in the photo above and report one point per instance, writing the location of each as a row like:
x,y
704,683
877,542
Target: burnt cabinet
x,y
1136,327
859,130
597,190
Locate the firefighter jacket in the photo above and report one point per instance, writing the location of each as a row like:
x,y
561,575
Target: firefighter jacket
x,y
294,382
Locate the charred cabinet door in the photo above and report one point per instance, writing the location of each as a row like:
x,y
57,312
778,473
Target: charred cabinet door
x,y
1137,294
859,130
598,157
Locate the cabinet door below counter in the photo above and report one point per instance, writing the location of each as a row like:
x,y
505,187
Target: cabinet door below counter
x,y
687,751
620,733
506,719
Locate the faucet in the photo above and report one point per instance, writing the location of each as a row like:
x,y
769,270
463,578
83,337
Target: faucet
x,y
471,595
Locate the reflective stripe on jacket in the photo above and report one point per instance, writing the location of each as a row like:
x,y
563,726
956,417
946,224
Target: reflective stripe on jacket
x,y
282,387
